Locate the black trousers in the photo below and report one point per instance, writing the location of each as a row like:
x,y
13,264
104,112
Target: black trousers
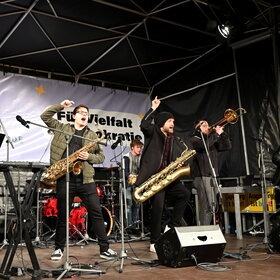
x,y
88,195
176,195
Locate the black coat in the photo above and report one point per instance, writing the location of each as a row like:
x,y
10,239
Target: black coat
x,y
154,144
276,160
215,143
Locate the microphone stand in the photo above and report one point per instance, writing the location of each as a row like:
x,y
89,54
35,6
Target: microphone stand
x,y
123,254
214,178
68,266
9,142
264,194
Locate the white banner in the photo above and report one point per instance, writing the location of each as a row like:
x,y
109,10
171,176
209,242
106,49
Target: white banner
x,y
117,113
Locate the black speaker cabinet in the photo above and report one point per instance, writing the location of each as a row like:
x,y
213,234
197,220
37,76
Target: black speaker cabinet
x,y
187,246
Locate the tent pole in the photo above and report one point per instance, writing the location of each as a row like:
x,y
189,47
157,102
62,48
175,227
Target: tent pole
x,y
275,46
241,117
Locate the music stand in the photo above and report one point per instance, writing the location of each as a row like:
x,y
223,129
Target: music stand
x,y
123,255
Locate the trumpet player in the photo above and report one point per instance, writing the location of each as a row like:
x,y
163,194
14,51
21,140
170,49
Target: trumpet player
x,y
159,150
216,141
81,185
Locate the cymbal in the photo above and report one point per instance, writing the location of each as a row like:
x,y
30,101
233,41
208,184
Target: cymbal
x,y
47,186
43,185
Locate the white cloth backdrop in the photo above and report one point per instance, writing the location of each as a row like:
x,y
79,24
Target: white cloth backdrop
x,y
117,113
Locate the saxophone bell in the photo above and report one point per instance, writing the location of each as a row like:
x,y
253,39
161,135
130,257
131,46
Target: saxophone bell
x,y
77,167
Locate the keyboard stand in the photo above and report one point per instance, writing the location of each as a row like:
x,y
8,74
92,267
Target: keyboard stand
x,y
20,226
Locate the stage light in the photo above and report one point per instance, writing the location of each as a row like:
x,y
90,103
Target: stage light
x,y
224,30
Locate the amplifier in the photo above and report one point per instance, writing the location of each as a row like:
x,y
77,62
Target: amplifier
x,y
188,246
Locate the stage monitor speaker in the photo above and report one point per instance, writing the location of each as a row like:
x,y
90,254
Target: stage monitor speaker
x,y
188,246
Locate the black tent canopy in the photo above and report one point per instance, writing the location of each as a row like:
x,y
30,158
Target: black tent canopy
x,y
160,47
129,44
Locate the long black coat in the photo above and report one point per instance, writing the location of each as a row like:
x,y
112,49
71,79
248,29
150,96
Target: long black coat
x,y
154,144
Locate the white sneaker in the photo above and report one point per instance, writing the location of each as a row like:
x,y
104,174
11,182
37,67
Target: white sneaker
x,y
109,254
57,255
152,248
167,228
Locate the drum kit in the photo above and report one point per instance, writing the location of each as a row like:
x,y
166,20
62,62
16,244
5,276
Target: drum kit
x,y
79,226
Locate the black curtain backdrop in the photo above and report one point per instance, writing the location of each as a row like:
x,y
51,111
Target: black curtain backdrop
x,y
255,73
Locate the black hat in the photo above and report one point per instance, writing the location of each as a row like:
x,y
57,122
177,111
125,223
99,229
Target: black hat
x,y
162,117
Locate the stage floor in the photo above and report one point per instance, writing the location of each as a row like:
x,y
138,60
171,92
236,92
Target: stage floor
x,y
256,262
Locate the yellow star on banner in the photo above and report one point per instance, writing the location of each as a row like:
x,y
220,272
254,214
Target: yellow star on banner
x,y
140,115
40,90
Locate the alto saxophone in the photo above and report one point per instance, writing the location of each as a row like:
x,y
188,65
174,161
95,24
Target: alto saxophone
x,y
59,169
163,178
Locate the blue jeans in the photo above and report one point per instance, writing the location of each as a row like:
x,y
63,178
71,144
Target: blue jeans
x,y
132,207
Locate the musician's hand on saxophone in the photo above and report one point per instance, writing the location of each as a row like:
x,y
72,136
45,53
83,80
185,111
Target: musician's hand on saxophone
x,y
180,165
83,155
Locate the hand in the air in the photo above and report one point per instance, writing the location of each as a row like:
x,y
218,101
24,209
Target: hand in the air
x,y
155,103
67,103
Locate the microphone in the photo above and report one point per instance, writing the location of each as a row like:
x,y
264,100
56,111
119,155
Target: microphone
x,y
22,121
198,126
114,145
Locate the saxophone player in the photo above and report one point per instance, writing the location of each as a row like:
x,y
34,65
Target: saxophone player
x,y
157,153
81,185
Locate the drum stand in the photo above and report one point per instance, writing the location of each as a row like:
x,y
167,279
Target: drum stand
x,y
143,235
123,254
85,237
39,221
117,224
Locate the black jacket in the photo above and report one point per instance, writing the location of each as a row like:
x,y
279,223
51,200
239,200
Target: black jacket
x,y
276,160
215,143
154,144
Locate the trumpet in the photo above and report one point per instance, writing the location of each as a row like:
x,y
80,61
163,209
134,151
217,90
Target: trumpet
x,y
230,116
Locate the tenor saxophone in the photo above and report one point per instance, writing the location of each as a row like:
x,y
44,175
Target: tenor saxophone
x,y
59,169
163,178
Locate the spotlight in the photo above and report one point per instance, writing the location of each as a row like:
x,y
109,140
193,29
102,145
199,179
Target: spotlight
x,y
224,30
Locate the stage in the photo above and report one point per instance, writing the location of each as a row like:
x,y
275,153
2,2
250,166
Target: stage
x,y
250,259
